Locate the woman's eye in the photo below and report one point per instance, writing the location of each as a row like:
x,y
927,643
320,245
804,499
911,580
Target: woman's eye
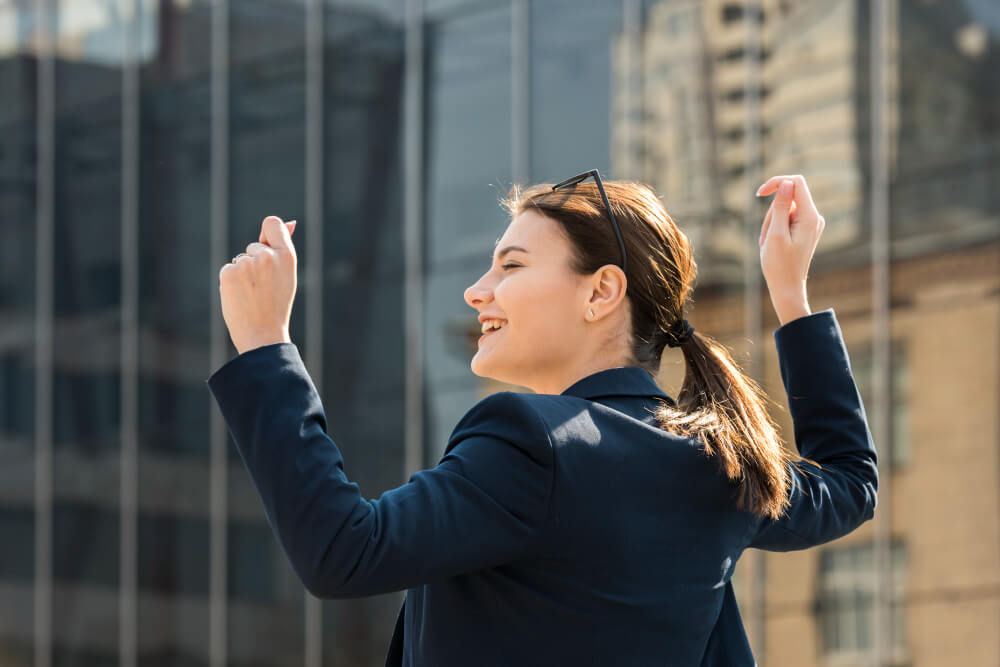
x,y
510,266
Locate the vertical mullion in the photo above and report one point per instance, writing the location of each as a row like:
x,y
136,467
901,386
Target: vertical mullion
x,y
632,53
520,45
314,262
413,214
752,319
129,334
219,503
44,315
881,625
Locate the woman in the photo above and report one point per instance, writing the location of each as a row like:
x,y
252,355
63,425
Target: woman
x,y
598,520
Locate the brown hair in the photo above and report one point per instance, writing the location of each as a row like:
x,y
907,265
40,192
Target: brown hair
x,y
717,403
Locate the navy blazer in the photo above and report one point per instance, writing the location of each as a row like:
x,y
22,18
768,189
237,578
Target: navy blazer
x,y
556,529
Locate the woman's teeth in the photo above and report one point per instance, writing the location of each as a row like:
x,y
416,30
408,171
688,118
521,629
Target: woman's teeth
x,y
490,325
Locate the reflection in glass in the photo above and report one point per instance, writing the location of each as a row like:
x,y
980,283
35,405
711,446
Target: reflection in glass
x,y
948,146
571,87
17,351
468,135
86,382
174,293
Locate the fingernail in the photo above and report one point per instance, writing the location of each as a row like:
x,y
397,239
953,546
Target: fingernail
x,y
759,189
786,187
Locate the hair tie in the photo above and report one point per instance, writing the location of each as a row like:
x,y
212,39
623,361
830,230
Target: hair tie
x,y
679,333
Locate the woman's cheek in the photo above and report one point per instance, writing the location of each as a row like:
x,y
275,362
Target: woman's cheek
x,y
505,293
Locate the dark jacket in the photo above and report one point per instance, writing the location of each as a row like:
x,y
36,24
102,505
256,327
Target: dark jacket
x,y
556,529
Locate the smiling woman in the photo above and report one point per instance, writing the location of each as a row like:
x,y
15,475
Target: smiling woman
x,y
547,506
574,313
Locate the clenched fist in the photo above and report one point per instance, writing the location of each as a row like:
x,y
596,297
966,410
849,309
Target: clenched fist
x,y
257,288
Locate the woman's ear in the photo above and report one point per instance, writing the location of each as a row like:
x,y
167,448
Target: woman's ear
x,y
608,287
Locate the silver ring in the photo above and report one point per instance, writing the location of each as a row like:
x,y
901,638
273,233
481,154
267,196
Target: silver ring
x,y
242,254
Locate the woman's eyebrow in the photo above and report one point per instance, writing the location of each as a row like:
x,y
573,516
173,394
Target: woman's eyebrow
x,y
508,249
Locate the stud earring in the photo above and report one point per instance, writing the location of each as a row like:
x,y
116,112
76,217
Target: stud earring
x,y
591,311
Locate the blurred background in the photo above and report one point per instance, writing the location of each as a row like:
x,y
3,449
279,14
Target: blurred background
x,y
143,141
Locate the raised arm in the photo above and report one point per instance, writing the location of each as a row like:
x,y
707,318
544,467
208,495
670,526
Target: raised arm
x,y
484,504
829,420
831,428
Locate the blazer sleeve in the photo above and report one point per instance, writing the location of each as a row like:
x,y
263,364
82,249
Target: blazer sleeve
x,y
831,428
484,504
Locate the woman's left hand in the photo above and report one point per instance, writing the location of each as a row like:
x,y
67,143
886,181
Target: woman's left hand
x,y
257,288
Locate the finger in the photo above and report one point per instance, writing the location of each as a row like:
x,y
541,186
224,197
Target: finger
x,y
291,230
782,209
275,234
263,238
771,184
767,224
802,194
258,249
225,270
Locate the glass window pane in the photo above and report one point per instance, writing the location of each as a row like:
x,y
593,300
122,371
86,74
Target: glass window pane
x,y
87,296
18,212
468,135
175,289
571,87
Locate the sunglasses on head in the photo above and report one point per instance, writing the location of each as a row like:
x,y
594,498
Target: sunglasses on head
x,y
569,182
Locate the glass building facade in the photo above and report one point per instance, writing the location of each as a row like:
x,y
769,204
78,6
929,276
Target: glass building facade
x,y
143,141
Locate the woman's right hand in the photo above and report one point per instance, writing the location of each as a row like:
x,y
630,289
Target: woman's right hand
x,y
788,240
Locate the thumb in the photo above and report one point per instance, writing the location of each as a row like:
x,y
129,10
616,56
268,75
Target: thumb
x,y
275,233
782,209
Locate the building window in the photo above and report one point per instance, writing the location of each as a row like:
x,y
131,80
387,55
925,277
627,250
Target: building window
x,y
734,12
846,598
899,414
736,53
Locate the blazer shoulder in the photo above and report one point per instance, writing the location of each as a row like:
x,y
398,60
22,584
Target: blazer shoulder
x,y
508,416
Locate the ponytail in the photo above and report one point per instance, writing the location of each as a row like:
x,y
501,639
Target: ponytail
x,y
726,410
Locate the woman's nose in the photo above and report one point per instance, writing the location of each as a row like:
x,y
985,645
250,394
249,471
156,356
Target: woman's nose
x,y
476,295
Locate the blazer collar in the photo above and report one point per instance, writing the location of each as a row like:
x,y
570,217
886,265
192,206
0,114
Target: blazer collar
x,y
621,381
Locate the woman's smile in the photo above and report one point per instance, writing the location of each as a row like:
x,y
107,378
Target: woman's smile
x,y
490,332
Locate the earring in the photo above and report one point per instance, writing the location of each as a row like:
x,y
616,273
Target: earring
x,y
591,311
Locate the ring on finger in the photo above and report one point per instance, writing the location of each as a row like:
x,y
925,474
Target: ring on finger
x,y
234,259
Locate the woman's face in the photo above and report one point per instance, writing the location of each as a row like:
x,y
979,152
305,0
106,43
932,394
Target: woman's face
x,y
541,304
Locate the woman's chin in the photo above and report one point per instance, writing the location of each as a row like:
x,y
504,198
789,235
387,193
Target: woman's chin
x,y
479,367
484,367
